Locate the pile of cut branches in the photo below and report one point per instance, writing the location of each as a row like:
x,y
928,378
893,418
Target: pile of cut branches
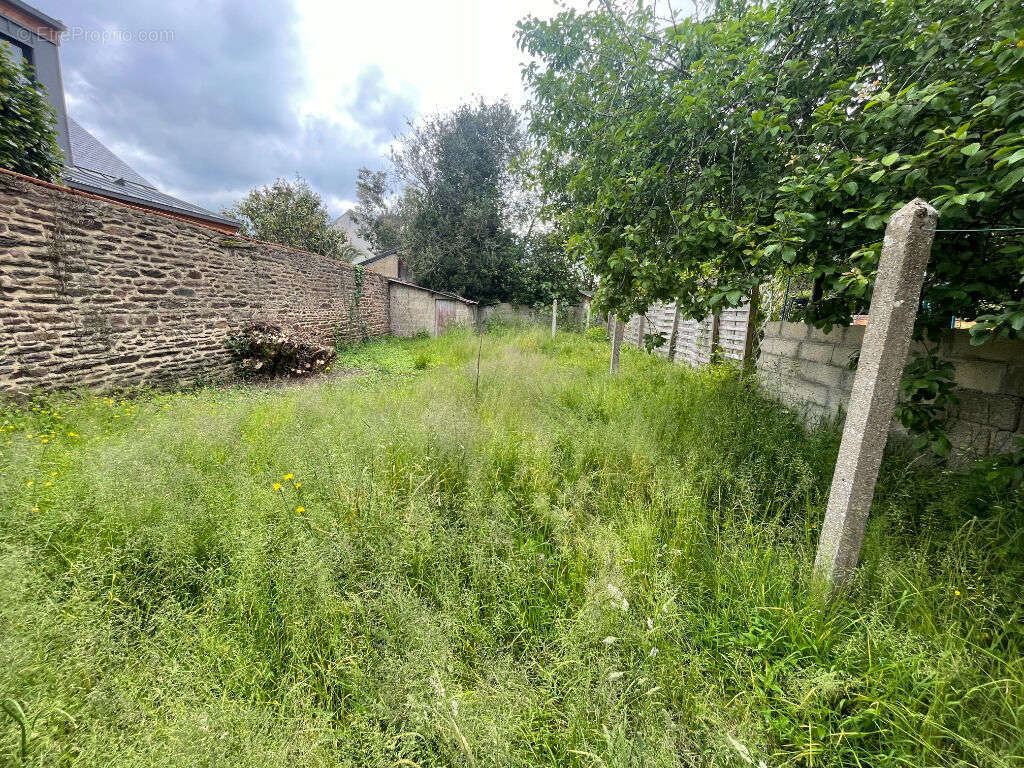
x,y
266,350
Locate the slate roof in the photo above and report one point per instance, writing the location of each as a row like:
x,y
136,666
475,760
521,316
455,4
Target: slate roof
x,y
96,169
372,257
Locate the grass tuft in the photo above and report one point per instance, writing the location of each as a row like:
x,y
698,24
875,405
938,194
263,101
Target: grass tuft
x,y
572,569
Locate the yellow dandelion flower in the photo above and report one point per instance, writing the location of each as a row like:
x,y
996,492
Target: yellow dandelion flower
x,y
956,592
30,483
299,510
289,476
35,509
298,485
277,486
47,483
53,474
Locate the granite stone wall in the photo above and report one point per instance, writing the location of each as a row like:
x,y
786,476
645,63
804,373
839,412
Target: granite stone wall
x,y
98,294
811,371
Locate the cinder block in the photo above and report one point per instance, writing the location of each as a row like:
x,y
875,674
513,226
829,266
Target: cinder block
x,y
973,407
997,350
842,357
853,336
981,375
1003,441
829,375
780,346
1004,412
773,329
835,336
1013,381
801,391
816,351
969,440
794,331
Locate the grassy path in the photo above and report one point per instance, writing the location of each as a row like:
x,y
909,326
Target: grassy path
x,y
574,570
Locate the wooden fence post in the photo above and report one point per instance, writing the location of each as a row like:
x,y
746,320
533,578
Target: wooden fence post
x,y
897,291
675,333
750,330
620,329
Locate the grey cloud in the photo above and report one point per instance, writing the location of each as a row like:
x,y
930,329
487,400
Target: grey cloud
x,y
202,97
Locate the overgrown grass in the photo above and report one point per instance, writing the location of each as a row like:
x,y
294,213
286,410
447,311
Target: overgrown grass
x,y
571,570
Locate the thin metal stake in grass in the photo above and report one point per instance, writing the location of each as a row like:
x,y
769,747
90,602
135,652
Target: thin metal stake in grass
x,y
479,350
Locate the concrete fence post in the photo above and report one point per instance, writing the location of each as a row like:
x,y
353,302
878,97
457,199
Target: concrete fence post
x,y
554,316
620,329
897,291
586,323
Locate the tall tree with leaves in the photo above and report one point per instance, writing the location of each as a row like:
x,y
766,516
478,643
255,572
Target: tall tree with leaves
x,y
290,213
695,158
28,135
379,213
456,171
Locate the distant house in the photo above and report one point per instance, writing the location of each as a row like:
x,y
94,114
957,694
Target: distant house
x,y
89,165
388,263
347,223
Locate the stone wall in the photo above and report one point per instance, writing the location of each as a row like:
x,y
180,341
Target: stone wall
x,y
414,309
99,294
810,370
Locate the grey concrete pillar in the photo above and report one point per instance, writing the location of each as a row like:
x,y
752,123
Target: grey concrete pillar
x,y
554,316
897,291
620,329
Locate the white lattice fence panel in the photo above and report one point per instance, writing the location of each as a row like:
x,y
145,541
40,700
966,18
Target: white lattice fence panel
x,y
732,331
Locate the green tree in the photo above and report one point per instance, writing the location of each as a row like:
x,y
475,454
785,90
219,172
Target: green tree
x,y
290,213
696,158
28,138
379,213
456,168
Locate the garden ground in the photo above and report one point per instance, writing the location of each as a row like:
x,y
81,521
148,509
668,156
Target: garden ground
x,y
572,569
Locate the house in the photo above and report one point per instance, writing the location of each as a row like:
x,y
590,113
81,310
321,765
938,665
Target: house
x,y
388,263
348,224
89,165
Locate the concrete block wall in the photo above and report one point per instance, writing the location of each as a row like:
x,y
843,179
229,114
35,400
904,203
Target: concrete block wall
x,y
99,294
809,370
414,309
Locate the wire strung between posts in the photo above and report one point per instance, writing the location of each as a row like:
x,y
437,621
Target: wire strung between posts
x,y
984,229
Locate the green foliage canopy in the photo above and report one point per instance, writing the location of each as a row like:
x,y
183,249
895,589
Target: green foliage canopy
x,y
693,158
290,213
465,217
28,138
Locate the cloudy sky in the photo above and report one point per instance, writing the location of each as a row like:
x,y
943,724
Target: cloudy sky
x,y
208,99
